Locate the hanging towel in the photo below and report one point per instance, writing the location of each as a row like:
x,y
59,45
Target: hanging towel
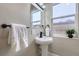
x,y
18,37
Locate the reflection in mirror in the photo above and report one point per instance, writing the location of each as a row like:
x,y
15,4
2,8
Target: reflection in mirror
x,y
36,19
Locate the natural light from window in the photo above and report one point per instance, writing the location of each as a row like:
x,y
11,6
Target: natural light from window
x,y
64,13
36,18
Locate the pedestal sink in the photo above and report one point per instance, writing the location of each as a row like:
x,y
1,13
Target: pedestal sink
x,y
44,42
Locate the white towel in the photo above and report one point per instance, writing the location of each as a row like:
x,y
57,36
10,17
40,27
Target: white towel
x,y
18,37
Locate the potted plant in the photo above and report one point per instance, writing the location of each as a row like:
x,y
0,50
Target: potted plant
x,y
70,33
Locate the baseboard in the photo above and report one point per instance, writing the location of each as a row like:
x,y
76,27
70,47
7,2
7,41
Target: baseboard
x,y
52,54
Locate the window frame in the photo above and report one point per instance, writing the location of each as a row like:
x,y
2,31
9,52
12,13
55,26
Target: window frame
x,y
37,20
65,16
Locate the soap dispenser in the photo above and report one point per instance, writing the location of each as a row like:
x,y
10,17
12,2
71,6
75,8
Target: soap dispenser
x,y
47,30
41,34
41,31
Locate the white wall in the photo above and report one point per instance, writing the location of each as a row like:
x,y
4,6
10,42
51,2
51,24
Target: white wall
x,y
65,47
15,13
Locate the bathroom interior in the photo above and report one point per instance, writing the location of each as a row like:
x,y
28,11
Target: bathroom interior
x,y
39,29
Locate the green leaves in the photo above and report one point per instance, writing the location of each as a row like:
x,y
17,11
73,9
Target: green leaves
x,y
70,31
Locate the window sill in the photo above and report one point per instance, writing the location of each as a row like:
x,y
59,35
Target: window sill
x,y
63,36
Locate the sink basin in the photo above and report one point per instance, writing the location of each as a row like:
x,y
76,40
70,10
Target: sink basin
x,y
43,40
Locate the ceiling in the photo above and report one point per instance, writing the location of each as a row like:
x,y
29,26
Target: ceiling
x,y
33,8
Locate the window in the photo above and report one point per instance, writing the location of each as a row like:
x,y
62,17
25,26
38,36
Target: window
x,y
36,18
64,13
63,18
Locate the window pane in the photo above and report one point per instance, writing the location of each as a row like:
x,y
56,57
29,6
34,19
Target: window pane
x,y
36,16
64,9
37,23
67,20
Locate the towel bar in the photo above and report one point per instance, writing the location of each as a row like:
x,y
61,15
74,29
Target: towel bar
x,y
5,26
